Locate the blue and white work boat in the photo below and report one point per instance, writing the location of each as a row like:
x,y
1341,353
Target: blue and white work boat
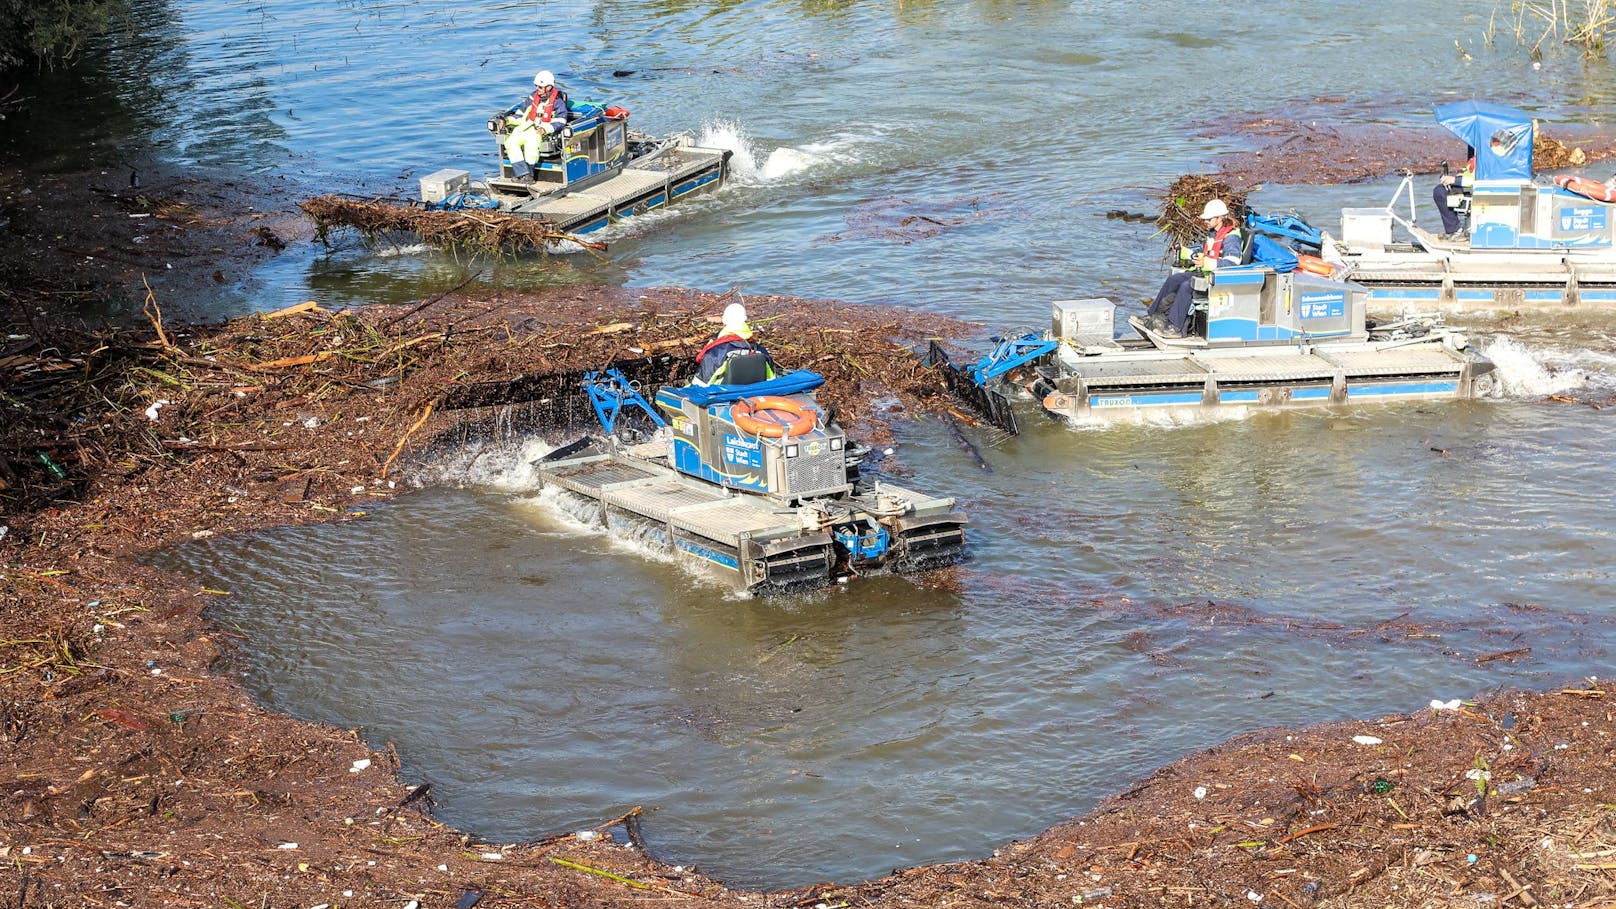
x,y
1529,244
750,482
595,172
1266,334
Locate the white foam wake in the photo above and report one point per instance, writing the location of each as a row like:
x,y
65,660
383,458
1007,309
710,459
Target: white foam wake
x,y
1523,372
506,466
751,164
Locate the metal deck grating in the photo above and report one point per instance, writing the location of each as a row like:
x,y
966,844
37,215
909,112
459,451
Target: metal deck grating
x,y
656,499
1411,361
590,476
1143,371
1288,368
728,521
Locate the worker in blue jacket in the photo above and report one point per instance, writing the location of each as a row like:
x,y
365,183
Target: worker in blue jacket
x,y
734,339
1169,315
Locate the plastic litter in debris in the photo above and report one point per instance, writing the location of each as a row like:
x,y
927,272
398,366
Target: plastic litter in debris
x,y
55,468
1471,858
1200,792
359,765
1446,705
151,412
493,856
1366,740
1254,896
588,835
287,846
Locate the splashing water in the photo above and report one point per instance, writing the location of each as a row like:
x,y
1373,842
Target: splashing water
x,y
1524,373
578,515
750,165
409,249
503,466
729,134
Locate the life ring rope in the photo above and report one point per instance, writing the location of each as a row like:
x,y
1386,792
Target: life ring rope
x,y
773,416
1583,186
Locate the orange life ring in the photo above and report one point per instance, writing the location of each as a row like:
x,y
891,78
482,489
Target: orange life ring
x,y
1583,186
1314,265
748,416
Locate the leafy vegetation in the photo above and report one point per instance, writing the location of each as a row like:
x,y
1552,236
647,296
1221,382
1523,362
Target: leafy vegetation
x,y
54,32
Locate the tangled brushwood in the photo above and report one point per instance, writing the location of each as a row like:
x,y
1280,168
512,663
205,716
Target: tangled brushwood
x,y
471,231
1182,203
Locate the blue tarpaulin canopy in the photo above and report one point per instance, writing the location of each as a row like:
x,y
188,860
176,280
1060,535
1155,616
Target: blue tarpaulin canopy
x,y
1272,253
1501,137
798,380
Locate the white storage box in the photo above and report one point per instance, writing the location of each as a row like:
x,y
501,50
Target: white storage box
x,y
1366,227
1093,319
441,184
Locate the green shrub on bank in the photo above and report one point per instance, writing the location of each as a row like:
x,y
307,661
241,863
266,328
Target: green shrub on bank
x,y
51,33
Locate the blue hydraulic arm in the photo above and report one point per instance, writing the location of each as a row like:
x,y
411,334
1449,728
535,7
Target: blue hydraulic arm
x,y
1008,354
610,392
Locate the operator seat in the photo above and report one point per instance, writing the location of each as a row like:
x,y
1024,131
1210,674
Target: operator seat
x,y
746,368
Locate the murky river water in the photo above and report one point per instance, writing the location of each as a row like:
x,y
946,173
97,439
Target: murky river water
x,y
1133,595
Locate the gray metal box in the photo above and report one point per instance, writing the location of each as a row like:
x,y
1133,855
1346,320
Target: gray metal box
x,y
440,185
1092,318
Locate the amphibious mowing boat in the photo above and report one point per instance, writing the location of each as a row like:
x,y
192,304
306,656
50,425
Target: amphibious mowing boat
x,y
1266,334
595,172
749,481
1529,244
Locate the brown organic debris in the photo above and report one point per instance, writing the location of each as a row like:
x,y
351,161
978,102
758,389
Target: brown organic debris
x,y
122,786
1180,217
471,231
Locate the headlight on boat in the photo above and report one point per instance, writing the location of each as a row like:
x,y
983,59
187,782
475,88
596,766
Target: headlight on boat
x,y
791,450
835,444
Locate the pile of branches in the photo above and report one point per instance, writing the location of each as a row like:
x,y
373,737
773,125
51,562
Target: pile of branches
x,y
1552,154
470,231
1180,219
866,354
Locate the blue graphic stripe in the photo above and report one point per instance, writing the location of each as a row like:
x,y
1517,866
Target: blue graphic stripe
x,y
1144,400
710,555
1403,388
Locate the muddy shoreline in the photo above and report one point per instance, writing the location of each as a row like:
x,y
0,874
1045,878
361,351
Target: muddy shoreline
x,y
135,771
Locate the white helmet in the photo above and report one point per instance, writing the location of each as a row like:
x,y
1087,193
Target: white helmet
x,y
735,317
543,79
1214,209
